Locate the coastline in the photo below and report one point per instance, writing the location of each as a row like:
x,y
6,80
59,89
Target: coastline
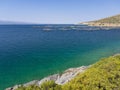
x,y
59,79
104,26
101,24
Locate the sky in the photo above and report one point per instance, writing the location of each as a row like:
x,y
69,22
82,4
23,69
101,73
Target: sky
x,y
57,11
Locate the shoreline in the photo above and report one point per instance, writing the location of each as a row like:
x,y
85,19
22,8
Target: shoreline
x,y
59,79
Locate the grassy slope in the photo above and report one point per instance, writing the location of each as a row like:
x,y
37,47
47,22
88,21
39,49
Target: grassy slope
x,y
113,19
103,75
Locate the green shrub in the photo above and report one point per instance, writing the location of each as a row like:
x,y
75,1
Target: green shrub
x,y
104,75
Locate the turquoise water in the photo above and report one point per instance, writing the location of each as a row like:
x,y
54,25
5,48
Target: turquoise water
x,y
29,52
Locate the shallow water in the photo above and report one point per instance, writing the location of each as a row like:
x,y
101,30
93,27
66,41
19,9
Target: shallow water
x,y
29,52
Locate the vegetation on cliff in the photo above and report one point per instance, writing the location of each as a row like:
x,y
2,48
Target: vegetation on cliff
x,y
103,75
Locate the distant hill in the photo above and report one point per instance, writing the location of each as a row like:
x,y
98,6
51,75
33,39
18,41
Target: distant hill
x,y
11,23
113,21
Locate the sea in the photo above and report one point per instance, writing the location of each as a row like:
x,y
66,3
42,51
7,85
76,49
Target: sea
x,y
32,52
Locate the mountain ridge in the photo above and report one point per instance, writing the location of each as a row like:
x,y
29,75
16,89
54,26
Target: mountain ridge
x,y
11,22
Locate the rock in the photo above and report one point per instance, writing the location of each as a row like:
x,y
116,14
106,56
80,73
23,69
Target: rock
x,y
35,82
52,77
69,74
13,88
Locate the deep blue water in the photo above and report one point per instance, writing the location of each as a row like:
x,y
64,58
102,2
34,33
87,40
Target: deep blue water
x,y
29,52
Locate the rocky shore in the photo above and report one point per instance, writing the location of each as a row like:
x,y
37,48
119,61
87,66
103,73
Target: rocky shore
x,y
59,79
100,24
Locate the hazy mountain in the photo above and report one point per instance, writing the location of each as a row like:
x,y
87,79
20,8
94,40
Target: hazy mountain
x,y
11,23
